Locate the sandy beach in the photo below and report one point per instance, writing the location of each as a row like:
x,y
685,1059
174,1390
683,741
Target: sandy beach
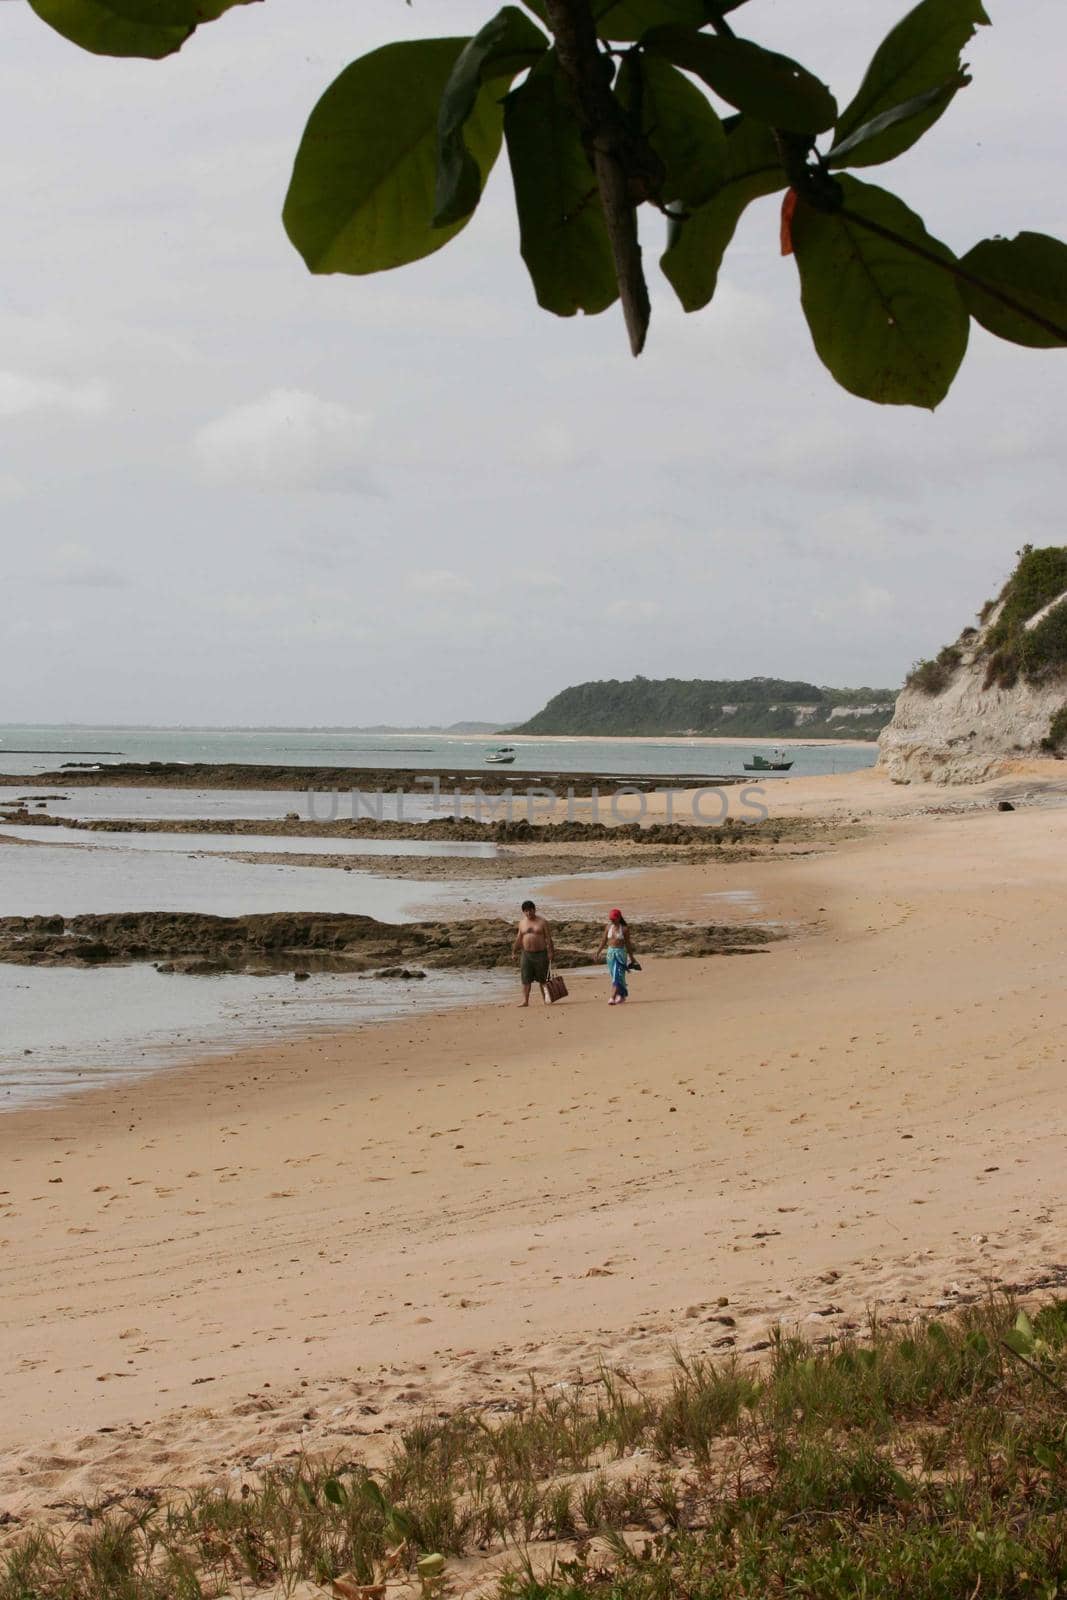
x,y
303,1245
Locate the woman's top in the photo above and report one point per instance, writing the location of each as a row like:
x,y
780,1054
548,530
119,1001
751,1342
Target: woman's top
x,y
616,933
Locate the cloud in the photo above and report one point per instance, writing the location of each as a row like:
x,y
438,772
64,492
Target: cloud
x,y
20,395
873,600
536,578
248,607
863,603
73,566
634,610
287,439
439,581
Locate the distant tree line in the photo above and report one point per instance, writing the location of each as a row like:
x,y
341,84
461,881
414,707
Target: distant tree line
x,y
744,707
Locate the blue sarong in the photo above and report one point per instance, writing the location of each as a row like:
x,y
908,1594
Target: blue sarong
x,y
617,962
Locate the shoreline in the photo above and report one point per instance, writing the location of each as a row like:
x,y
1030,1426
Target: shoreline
x,y
481,738
685,740
423,1212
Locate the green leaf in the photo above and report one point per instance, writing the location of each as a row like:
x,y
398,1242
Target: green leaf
x,y
335,1492
507,44
697,243
398,1524
920,54
890,325
372,1493
1049,1459
563,235
361,198
629,19
147,28
858,143
681,127
1018,1343
1030,269
761,83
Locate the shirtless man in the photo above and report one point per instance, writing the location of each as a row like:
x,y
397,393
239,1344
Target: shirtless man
x,y
533,947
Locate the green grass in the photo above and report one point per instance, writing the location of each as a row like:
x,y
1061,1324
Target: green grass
x,y
927,1461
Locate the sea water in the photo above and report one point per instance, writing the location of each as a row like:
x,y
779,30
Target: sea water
x,y
64,1028
50,747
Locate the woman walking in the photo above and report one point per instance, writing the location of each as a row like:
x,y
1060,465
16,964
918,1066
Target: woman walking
x,y
620,954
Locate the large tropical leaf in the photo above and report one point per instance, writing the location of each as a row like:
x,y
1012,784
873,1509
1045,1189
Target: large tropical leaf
x,y
1030,270
152,28
890,325
920,54
562,232
681,126
759,82
361,198
507,44
629,19
698,242
853,149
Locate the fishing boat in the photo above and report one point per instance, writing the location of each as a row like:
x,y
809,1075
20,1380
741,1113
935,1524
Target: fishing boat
x,y
775,762
502,757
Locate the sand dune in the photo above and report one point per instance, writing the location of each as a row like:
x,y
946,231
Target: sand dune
x,y
308,1242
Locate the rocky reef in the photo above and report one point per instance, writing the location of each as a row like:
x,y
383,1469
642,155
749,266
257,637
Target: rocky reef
x,y
301,942
998,693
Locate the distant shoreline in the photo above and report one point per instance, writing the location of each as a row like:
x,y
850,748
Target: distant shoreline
x,y
779,743
681,739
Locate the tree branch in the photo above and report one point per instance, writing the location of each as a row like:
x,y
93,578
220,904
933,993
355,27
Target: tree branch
x,y
623,165
817,186
959,272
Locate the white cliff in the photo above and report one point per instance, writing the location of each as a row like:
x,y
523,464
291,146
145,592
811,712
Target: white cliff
x,y
992,696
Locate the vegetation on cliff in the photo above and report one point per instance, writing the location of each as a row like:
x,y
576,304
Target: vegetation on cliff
x,y
1019,641
1014,645
934,676
743,708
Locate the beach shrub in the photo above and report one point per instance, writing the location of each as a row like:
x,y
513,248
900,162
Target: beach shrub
x,y
1043,650
1012,649
933,677
1056,737
926,1460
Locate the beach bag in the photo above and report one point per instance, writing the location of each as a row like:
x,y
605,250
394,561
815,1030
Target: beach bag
x,y
555,988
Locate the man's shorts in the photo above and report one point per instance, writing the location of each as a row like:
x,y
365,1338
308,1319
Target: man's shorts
x,y
534,966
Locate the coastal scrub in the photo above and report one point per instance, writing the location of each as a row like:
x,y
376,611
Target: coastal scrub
x,y
928,1459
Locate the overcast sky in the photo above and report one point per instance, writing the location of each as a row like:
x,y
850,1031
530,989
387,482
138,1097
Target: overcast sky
x,y
232,492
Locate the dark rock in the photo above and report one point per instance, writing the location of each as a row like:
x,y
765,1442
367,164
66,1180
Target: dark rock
x,y
196,943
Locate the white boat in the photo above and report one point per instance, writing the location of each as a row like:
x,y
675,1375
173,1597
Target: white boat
x,y
502,757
